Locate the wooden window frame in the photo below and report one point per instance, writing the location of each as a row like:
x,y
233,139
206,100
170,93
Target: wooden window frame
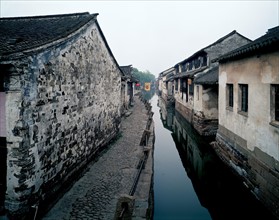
x,y
243,100
274,105
229,96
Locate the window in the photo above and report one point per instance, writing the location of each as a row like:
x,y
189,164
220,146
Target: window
x,y
276,107
204,61
190,66
243,97
197,63
176,84
274,103
230,95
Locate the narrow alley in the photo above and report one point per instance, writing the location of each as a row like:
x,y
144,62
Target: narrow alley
x,y
96,194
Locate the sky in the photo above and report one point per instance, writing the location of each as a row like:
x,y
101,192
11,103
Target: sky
x,y
155,35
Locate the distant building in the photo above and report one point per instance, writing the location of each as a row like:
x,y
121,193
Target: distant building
x,y
196,83
60,88
248,134
166,86
127,88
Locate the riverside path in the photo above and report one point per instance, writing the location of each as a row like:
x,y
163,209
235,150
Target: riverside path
x,y
96,194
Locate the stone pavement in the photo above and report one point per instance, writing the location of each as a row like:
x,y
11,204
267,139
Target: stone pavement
x,y
95,194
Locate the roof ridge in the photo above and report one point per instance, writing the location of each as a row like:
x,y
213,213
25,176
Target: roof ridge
x,y
48,16
214,43
266,40
51,30
221,39
225,37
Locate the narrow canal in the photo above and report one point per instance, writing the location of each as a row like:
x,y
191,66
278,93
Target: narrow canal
x,y
190,182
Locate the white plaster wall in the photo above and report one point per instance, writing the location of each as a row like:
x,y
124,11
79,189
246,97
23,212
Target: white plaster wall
x,y
198,99
259,73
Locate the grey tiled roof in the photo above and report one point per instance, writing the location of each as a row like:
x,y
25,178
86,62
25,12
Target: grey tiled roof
x,y
189,74
266,43
208,77
127,70
24,33
127,73
216,42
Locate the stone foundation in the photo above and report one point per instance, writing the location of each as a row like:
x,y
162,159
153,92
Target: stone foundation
x,y
205,127
260,177
184,111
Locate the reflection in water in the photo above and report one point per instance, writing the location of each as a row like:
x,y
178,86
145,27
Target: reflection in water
x,y
147,95
190,181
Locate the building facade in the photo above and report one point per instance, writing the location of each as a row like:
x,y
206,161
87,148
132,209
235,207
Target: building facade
x,y
248,136
196,84
60,104
166,85
128,83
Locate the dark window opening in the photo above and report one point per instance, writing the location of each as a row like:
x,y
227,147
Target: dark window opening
x,y
184,67
244,97
204,61
176,85
276,106
197,63
183,88
230,94
190,66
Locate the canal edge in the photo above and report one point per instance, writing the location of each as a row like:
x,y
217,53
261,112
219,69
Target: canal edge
x,y
139,203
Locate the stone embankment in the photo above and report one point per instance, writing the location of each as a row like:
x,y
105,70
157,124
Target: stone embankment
x,y
118,185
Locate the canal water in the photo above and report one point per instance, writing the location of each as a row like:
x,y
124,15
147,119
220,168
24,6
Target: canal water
x,y
190,181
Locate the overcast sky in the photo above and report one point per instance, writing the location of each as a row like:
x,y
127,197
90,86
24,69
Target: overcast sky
x,y
155,35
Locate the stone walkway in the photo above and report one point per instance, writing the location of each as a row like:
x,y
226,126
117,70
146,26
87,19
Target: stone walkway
x,y
95,195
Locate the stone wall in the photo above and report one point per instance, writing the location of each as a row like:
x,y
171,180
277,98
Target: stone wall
x,y
257,176
205,117
184,111
63,105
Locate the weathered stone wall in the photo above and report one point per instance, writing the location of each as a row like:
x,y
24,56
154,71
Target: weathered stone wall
x,y
63,105
205,117
183,110
256,175
124,97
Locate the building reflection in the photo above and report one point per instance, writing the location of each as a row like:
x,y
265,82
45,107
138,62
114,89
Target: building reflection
x,y
147,95
217,188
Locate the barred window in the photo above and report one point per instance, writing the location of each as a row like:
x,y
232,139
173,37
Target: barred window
x,y
243,97
274,107
229,95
